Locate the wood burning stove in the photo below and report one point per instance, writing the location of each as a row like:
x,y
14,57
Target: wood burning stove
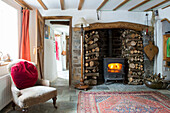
x,y
114,69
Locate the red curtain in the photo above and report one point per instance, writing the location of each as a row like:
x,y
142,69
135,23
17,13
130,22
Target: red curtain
x,y
56,45
25,43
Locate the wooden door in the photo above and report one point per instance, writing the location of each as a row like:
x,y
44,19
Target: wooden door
x,y
40,43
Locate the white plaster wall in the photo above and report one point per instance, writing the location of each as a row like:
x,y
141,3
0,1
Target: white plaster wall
x,y
164,13
50,67
159,33
105,16
158,64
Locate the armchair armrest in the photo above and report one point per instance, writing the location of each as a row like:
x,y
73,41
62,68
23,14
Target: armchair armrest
x,y
15,93
15,90
43,82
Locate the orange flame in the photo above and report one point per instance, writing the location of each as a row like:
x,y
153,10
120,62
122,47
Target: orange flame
x,y
114,67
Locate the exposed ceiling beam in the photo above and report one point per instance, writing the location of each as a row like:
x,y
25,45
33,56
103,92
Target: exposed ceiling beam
x,y
102,4
23,4
62,4
80,4
42,4
138,5
60,22
166,7
20,3
157,5
121,4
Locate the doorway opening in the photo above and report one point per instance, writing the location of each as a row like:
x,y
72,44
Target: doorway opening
x,y
60,28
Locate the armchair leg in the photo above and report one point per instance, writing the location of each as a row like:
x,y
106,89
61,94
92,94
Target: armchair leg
x,y
13,105
25,110
54,102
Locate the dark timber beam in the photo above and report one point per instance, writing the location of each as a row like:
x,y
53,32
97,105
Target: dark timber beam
x,y
102,4
42,4
23,4
138,5
80,4
62,4
166,7
157,5
120,5
60,22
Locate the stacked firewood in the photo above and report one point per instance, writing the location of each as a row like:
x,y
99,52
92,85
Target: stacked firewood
x,y
91,64
132,45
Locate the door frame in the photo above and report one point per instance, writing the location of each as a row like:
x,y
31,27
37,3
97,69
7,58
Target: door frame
x,y
39,57
70,40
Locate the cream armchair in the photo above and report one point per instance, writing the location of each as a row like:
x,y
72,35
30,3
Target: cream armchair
x,y
27,97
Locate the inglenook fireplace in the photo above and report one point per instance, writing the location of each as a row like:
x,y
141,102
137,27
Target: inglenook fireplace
x,y
114,69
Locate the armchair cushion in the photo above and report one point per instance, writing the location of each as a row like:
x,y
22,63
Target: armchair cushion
x,y
24,74
36,94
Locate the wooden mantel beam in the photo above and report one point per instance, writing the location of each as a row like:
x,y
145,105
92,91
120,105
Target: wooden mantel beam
x,y
122,25
157,5
42,4
23,4
62,4
80,4
120,5
102,4
138,5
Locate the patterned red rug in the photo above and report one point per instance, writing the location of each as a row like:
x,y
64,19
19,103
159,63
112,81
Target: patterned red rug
x,y
123,102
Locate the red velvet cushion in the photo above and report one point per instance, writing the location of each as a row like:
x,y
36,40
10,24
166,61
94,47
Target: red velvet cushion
x,y
24,74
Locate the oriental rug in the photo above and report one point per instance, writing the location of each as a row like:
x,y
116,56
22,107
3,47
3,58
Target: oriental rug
x,y
123,102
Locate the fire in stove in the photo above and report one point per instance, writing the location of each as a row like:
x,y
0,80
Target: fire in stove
x,y
114,68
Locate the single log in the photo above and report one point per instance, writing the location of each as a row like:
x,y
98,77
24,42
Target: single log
x,y
92,74
86,71
90,42
94,63
85,77
90,82
92,68
94,37
86,64
93,82
88,60
94,77
97,49
92,53
91,46
86,45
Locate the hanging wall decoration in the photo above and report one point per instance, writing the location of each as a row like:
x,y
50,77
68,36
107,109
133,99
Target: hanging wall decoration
x,y
151,50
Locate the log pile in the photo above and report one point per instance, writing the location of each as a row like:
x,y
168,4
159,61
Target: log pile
x,y
91,64
132,45
96,48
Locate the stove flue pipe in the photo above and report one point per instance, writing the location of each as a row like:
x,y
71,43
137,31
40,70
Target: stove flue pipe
x,y
110,43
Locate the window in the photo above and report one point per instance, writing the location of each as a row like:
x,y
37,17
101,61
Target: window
x,y
166,48
8,30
